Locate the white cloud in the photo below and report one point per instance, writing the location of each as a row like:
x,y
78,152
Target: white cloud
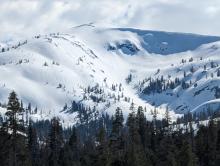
x,y
28,17
212,11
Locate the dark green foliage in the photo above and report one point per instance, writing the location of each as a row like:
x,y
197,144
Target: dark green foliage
x,y
70,153
161,84
33,145
13,109
104,141
116,140
55,142
136,155
12,146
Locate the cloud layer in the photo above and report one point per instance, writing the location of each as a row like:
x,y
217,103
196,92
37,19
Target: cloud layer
x,y
28,17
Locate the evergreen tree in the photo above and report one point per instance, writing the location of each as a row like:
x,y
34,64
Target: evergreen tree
x,y
166,152
141,122
217,162
55,142
136,154
167,120
108,141
117,123
201,146
212,141
116,143
102,148
14,149
186,156
13,109
33,145
70,153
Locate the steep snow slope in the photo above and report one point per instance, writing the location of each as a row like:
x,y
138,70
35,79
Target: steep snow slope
x,y
198,73
91,66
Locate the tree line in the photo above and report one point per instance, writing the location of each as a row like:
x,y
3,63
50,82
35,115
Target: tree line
x,y
115,141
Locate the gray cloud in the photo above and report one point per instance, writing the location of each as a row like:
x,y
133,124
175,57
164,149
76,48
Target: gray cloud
x,y
29,17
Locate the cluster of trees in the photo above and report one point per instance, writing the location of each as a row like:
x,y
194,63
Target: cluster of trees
x,y
196,117
14,47
159,85
98,94
114,142
3,49
25,42
129,78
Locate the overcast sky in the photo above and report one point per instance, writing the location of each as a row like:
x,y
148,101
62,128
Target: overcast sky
x,y
28,17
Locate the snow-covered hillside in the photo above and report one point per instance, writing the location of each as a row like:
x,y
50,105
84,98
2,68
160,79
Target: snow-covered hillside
x,y
109,68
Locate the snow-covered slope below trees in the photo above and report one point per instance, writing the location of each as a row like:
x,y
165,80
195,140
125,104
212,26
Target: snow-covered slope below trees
x,y
107,68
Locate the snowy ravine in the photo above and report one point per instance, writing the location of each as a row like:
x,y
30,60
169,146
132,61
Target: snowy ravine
x,y
110,68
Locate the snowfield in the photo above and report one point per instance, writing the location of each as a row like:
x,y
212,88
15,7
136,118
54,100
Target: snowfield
x,y
110,68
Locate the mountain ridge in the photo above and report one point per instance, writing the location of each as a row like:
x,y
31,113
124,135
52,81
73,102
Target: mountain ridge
x,y
51,71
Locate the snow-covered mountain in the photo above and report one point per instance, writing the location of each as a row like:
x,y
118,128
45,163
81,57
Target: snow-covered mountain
x,y
108,68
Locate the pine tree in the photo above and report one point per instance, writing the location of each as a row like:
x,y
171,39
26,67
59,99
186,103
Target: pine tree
x,y
186,156
217,161
154,113
132,108
212,141
74,145
166,152
167,120
102,148
13,109
14,146
70,153
117,123
116,143
33,145
141,121
55,141
201,145
136,154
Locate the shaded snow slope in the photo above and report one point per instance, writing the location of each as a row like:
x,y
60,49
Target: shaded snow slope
x,y
165,43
